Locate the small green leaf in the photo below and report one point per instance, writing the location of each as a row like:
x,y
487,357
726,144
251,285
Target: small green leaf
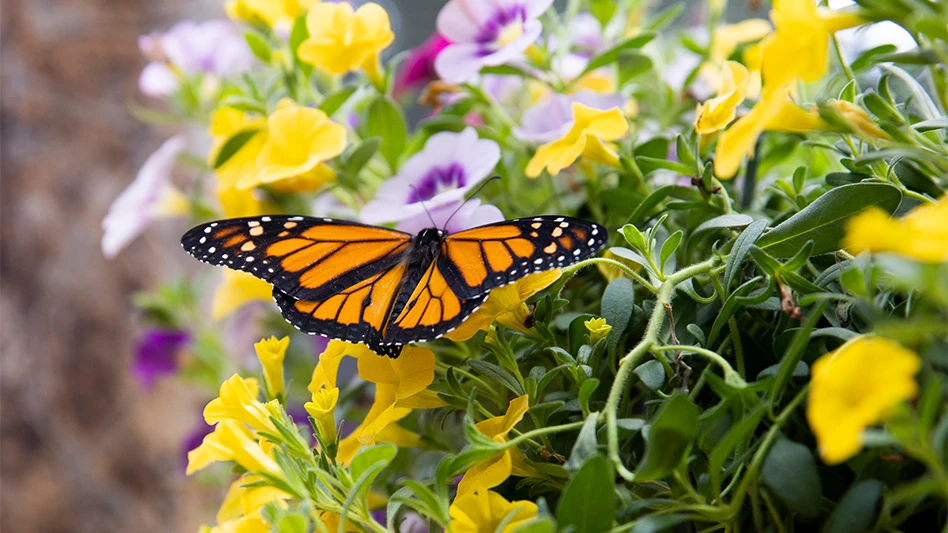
x,y
333,101
742,246
880,108
357,155
586,390
669,247
656,163
685,154
725,221
366,457
498,374
588,503
666,17
384,119
538,525
669,438
869,58
737,434
617,302
727,310
586,444
790,472
658,523
652,374
292,524
634,237
611,55
848,93
857,510
630,65
651,201
258,45
232,146
823,221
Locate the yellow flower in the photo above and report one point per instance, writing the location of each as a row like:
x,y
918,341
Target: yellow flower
x,y
236,290
799,47
484,510
495,470
727,38
855,387
299,140
225,124
244,502
506,306
590,128
246,524
238,401
322,410
271,353
922,234
598,329
774,112
857,119
324,375
715,114
277,14
233,441
395,380
342,41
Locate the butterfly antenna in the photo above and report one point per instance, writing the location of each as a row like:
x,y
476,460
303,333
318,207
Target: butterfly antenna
x,y
476,192
431,218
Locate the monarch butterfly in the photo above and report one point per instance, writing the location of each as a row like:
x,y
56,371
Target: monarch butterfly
x,y
383,287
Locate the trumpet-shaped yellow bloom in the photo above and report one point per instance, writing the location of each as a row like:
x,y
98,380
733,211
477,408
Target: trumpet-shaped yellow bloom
x,y
233,441
299,140
506,306
227,122
277,14
343,41
855,387
395,380
799,47
236,290
271,353
857,119
484,511
728,37
590,128
243,501
774,112
598,329
238,401
495,470
324,375
322,409
715,114
922,234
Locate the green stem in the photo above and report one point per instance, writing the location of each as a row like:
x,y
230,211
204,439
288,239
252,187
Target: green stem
x,y
540,432
839,53
572,269
730,375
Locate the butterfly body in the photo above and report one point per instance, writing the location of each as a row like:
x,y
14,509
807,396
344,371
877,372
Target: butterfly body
x,y
384,287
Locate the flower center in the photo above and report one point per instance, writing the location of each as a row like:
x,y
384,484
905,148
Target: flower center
x,y
509,34
503,27
436,181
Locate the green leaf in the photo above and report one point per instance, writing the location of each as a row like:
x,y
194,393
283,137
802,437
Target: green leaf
x,y
508,70
656,163
232,146
586,445
634,237
366,457
849,92
836,179
611,55
588,504
334,100
498,374
669,438
869,57
685,154
657,523
738,433
586,390
538,525
258,45
790,472
666,17
858,510
727,310
292,524
384,119
880,108
823,221
724,221
651,201
742,246
357,155
652,374
795,351
669,247
630,65
939,123
617,302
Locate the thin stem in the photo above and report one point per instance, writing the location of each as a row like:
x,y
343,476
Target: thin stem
x,y
542,431
730,376
839,53
572,269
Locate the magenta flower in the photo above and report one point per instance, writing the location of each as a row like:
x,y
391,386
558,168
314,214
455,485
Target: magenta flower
x,y
437,178
551,119
214,47
485,33
157,354
418,68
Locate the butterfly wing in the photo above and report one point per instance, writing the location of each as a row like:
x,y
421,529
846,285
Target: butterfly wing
x,y
486,257
432,309
355,314
306,258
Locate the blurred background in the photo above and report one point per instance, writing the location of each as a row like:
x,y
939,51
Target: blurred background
x,y
82,446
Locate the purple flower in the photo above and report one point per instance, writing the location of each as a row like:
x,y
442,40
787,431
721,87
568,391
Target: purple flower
x,y
215,47
551,119
485,33
151,195
437,178
156,355
418,68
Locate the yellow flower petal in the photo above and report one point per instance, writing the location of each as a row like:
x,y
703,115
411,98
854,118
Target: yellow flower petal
x,y
727,38
857,119
271,353
324,375
236,290
237,401
715,114
494,470
483,511
505,304
921,235
322,409
598,329
341,40
855,387
590,126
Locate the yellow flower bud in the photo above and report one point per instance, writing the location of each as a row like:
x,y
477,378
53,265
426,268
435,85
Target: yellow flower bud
x,y
271,353
598,329
322,410
857,119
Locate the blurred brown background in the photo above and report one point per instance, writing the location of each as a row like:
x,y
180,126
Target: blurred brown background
x,y
82,447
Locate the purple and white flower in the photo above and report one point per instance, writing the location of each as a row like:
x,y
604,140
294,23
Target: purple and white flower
x,y
151,195
157,354
437,179
485,33
551,119
214,47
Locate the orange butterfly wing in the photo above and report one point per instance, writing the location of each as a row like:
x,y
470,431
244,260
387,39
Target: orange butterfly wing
x,y
306,258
